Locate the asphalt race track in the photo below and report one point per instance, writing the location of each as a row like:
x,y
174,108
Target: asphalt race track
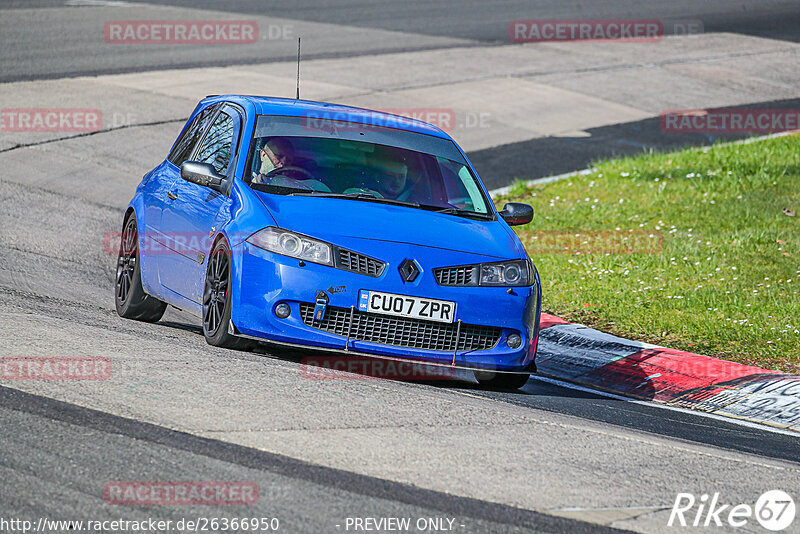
x,y
436,24
549,458
547,448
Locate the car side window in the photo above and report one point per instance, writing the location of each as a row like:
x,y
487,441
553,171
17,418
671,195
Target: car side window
x,y
216,147
188,140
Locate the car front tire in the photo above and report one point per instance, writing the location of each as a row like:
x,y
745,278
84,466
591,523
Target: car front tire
x,y
217,301
492,380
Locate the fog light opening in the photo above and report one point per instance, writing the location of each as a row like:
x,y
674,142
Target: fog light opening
x,y
283,311
514,341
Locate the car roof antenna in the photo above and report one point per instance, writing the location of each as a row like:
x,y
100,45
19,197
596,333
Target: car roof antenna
x,y
298,69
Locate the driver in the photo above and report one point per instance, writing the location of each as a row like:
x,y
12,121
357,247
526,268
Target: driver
x,y
278,153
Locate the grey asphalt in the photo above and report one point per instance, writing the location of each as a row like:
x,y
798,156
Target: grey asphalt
x,y
488,21
682,425
57,458
76,46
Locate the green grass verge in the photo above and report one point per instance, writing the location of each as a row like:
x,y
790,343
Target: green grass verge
x,y
721,274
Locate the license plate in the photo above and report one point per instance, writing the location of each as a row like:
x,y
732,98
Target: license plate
x,y
442,311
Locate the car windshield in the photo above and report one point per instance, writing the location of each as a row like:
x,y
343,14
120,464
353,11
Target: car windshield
x,y
304,156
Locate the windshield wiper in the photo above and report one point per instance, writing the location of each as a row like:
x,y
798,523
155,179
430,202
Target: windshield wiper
x,y
367,197
465,213
356,196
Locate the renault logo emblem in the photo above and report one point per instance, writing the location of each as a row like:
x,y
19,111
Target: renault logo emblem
x,y
409,270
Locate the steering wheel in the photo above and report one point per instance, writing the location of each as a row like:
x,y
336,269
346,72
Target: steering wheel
x,y
280,170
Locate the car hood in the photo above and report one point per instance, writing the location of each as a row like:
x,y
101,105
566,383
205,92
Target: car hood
x,y
331,219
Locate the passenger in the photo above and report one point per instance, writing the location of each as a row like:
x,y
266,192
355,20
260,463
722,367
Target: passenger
x,y
393,179
390,172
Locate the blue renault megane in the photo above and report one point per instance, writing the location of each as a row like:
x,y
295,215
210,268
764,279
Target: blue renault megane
x,y
330,227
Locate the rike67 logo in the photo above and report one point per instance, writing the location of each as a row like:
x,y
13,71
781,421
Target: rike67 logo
x,y
774,510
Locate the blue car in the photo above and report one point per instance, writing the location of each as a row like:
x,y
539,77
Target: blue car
x,y
330,227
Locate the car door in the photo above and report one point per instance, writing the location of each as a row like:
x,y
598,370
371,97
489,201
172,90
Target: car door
x,y
159,187
195,213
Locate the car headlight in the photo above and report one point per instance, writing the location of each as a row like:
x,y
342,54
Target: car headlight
x,y
503,273
506,273
293,245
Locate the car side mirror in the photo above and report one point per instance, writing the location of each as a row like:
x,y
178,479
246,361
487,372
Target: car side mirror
x,y
203,174
515,213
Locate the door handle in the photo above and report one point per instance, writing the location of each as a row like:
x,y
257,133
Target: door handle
x,y
172,195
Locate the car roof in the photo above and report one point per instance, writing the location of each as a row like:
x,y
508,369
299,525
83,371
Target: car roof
x,y
292,107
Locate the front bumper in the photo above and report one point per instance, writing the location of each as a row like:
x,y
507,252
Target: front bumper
x,y
266,279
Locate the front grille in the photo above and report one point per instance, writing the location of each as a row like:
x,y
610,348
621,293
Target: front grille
x,y
401,331
358,263
457,276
